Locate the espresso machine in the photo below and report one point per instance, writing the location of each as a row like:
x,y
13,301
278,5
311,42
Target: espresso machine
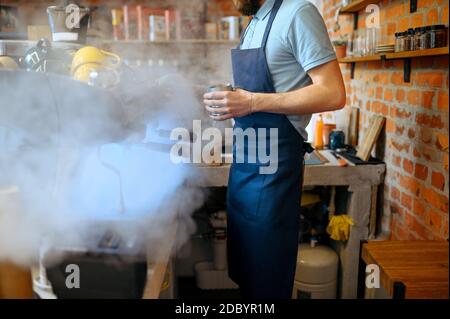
x,y
40,125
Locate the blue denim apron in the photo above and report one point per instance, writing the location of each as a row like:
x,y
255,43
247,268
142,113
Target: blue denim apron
x,y
263,209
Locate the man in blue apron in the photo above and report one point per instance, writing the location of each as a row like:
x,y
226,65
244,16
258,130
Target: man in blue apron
x,y
285,69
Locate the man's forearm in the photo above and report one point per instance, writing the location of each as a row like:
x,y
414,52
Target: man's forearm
x,y
308,100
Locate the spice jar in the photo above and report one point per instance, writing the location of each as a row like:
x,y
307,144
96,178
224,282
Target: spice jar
x,y
409,41
420,37
400,42
438,36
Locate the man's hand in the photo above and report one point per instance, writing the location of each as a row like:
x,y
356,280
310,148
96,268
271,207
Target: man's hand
x,y
229,104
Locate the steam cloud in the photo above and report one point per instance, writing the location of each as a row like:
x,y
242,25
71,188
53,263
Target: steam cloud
x,y
68,151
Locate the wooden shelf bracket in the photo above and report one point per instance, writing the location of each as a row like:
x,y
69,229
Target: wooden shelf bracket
x,y
407,70
352,70
412,6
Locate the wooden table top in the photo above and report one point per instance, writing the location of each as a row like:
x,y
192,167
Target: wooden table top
x,y
422,266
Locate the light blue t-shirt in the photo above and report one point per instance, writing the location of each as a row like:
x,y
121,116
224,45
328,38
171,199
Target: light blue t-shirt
x,y
297,43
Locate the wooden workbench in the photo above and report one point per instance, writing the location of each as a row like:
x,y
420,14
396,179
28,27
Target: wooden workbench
x,y
362,182
409,269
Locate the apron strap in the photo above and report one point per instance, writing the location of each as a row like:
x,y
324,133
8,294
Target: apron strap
x,y
273,14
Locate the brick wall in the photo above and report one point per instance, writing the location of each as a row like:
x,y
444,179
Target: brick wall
x,y
415,142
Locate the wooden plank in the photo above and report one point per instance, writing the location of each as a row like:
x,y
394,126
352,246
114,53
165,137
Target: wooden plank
x,y
353,127
325,175
368,58
372,134
168,42
396,55
417,53
357,5
373,213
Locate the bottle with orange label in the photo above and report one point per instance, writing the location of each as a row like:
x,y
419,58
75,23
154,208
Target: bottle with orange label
x,y
318,133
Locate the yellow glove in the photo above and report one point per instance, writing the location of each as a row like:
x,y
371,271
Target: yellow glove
x,y
339,227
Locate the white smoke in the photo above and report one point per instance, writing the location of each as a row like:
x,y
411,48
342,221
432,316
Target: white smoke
x,y
72,156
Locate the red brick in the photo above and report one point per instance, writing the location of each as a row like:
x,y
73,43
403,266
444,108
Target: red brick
x,y
413,97
435,199
400,113
400,95
443,101
396,160
423,119
408,166
432,17
436,122
427,99
406,201
388,95
434,79
421,171
442,142
401,147
438,180
395,193
418,208
434,219
410,184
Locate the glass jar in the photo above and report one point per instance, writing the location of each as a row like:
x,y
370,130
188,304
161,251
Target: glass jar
x,y
409,41
418,35
438,36
400,42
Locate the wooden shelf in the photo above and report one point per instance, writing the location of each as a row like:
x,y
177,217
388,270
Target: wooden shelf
x,y
368,58
405,56
357,5
397,55
417,54
171,42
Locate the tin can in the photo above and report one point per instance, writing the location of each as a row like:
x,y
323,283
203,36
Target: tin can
x,y
219,88
337,139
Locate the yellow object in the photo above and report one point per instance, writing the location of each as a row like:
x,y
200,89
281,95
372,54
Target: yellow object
x,y
339,227
15,282
83,72
91,54
7,63
318,135
309,198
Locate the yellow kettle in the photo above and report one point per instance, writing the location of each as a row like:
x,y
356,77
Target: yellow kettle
x,y
89,58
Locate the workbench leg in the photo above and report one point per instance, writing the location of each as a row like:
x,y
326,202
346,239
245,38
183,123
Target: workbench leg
x,y
373,213
361,273
399,290
359,210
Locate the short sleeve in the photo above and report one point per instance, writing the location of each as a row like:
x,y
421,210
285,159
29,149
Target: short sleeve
x,y
308,38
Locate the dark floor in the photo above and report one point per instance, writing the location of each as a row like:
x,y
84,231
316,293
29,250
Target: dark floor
x,y
187,289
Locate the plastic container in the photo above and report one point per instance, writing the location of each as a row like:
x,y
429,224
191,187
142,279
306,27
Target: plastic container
x,y
316,275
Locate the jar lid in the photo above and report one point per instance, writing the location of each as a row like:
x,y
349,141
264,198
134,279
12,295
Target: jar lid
x,y
410,31
437,27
